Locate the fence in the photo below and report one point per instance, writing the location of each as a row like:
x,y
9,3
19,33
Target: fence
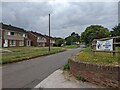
x,y
116,43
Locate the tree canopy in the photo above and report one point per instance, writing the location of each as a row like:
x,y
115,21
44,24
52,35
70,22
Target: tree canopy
x,y
59,42
94,32
116,30
72,39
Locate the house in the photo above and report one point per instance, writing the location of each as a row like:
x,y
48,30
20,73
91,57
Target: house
x,y
52,41
12,36
37,39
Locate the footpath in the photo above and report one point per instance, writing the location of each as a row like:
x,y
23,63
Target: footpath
x,y
58,79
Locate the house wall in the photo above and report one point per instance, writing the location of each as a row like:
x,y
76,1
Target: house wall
x,y
41,41
15,37
33,39
26,41
51,42
2,37
36,40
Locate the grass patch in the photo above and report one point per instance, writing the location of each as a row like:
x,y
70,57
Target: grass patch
x,y
22,53
66,66
81,78
71,46
99,57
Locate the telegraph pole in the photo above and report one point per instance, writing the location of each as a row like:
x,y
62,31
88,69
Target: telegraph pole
x,y
49,32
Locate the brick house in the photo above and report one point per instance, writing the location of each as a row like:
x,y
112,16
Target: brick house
x,y
52,41
37,39
12,36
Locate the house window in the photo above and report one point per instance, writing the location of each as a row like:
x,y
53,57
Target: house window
x,y
24,35
21,34
6,33
12,43
12,33
21,43
38,38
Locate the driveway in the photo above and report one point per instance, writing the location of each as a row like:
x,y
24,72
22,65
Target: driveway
x,y
27,74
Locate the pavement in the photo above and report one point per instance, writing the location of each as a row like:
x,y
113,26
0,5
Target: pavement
x,y
29,73
58,80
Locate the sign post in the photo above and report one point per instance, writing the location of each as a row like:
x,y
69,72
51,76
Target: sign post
x,y
113,47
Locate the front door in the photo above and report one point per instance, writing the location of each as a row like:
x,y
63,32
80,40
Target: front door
x,y
28,43
6,43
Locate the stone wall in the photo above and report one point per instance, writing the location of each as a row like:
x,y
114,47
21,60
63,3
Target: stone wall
x,y
99,74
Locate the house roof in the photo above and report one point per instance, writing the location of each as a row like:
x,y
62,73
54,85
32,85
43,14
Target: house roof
x,y
37,34
12,28
48,37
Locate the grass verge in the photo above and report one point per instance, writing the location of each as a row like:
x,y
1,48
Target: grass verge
x,y
71,46
99,57
23,53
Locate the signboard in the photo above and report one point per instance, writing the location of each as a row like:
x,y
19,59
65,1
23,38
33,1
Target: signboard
x,y
105,45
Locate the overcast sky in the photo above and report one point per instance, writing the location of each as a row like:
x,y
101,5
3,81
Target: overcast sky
x,y
66,17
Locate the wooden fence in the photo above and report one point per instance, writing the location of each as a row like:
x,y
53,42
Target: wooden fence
x,y
116,42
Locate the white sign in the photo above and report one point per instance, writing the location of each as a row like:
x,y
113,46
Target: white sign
x,y
105,45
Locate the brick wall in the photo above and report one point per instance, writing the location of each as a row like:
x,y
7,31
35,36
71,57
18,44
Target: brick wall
x,y
32,38
2,38
102,75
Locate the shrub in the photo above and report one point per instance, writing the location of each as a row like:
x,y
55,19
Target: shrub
x,y
67,66
81,78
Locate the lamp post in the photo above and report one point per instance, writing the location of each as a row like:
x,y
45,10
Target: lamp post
x,y
49,32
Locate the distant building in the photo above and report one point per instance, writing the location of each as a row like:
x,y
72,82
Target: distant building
x,y
12,36
37,39
52,41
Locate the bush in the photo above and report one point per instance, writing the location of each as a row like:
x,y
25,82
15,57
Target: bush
x,y
67,66
81,78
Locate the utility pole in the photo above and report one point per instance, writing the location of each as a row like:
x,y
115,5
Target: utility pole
x,y
49,32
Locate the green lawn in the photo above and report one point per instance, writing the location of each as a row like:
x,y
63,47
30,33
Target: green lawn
x,y
22,53
99,57
71,46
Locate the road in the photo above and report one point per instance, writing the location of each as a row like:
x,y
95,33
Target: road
x,y
29,73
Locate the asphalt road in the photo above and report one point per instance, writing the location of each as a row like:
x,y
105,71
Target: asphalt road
x,y
27,74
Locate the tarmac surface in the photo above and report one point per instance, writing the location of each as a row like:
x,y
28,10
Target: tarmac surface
x,y
29,73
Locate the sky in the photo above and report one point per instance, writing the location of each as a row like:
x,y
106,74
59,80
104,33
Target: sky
x,y
66,16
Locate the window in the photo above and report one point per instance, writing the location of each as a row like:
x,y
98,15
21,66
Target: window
x,y
12,43
6,33
38,38
21,43
12,33
21,34
24,35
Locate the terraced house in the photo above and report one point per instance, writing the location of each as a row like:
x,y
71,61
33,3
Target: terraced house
x,y
37,39
12,36
52,41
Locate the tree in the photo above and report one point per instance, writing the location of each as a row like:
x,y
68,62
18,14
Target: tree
x,y
59,42
94,32
72,39
116,30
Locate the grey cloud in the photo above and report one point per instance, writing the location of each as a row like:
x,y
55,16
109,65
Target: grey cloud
x,y
65,17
